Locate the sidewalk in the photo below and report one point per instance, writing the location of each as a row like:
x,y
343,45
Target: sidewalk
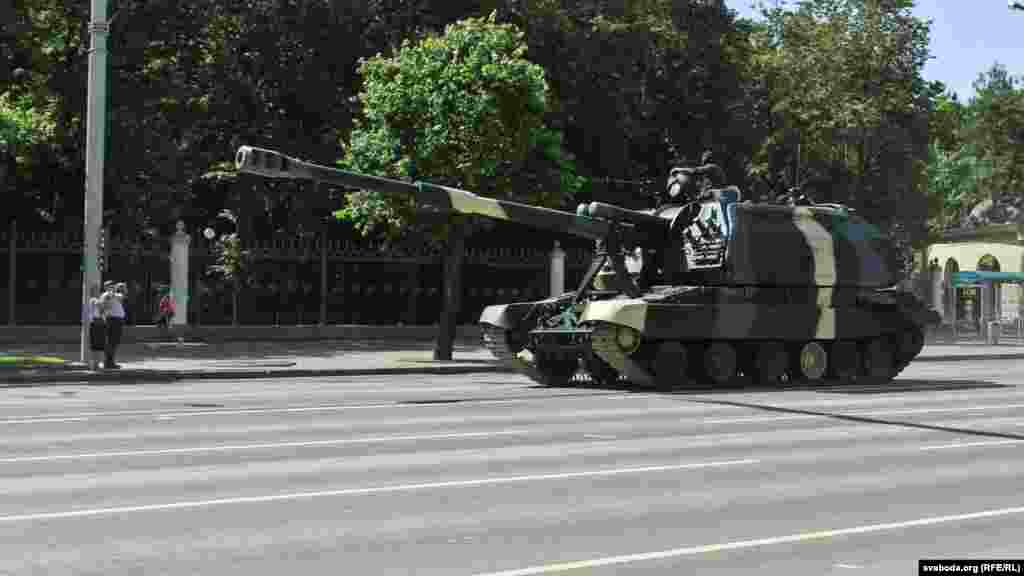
x,y
169,361
179,360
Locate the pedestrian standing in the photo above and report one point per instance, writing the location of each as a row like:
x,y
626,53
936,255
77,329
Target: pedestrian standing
x,y
166,310
94,316
113,300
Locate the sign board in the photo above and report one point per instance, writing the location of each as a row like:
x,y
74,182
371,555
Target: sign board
x,y
962,278
965,278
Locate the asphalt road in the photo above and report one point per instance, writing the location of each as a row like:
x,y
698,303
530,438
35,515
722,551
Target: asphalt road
x,y
487,474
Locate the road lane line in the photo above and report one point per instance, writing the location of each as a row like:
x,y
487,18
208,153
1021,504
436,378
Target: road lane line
x,y
742,544
282,392
970,444
91,512
79,417
82,416
233,447
217,412
932,410
44,420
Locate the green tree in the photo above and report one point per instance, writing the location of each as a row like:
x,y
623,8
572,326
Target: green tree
x,y
849,104
232,261
26,135
954,168
643,85
464,109
997,130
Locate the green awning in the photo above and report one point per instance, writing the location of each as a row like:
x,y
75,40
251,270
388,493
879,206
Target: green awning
x,y
983,276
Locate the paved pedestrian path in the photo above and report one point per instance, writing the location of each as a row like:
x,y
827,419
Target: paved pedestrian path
x,y
173,360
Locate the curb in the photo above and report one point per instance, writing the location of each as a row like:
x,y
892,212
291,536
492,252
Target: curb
x,y
140,376
21,335
963,357
128,376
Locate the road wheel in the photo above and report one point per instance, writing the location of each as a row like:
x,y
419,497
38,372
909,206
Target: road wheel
x,y
878,361
844,362
601,373
671,364
555,371
911,342
720,362
812,361
768,362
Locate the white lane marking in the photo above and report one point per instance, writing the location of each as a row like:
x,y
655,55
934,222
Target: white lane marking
x,y
163,414
42,420
217,412
239,394
89,512
971,444
263,446
851,566
80,417
741,544
932,410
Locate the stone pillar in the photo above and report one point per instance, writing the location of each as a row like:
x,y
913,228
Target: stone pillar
x,y
324,247
179,274
557,270
938,292
12,271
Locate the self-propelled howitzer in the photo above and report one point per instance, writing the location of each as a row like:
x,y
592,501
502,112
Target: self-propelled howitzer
x,y
702,289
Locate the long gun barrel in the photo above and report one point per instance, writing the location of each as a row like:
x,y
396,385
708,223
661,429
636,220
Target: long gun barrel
x,y
272,164
593,221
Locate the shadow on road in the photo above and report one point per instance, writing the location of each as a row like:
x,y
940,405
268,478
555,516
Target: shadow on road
x,y
898,386
742,386
861,419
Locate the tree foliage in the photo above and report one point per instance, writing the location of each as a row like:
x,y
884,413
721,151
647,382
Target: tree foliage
x,y
977,148
997,129
832,87
464,109
849,105
643,86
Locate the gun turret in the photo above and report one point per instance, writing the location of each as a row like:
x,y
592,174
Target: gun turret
x,y
271,164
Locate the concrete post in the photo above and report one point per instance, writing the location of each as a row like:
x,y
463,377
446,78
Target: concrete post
x,y
95,152
196,282
557,270
324,247
12,285
179,274
985,295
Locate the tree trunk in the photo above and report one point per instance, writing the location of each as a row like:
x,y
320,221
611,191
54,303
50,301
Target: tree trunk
x,y
12,284
234,302
323,272
452,288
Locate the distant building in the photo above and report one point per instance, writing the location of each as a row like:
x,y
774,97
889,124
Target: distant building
x,y
976,271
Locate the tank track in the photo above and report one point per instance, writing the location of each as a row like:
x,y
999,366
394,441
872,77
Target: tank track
x,y
496,340
603,344
602,341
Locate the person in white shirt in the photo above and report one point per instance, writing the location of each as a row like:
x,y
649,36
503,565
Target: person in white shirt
x,y
94,319
112,301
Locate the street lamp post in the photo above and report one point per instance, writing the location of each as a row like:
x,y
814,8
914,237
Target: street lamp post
x,y
94,153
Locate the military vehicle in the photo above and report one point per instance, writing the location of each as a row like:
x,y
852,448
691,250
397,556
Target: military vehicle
x,y
702,290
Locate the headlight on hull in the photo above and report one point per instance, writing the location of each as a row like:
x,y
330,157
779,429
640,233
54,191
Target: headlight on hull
x,y
627,338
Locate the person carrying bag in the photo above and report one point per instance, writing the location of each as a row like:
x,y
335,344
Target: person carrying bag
x,y
112,302
95,317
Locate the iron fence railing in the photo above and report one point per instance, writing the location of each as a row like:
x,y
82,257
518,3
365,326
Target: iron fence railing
x,y
286,281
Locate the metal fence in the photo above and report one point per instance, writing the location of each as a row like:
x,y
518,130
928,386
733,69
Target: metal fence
x,y
289,281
